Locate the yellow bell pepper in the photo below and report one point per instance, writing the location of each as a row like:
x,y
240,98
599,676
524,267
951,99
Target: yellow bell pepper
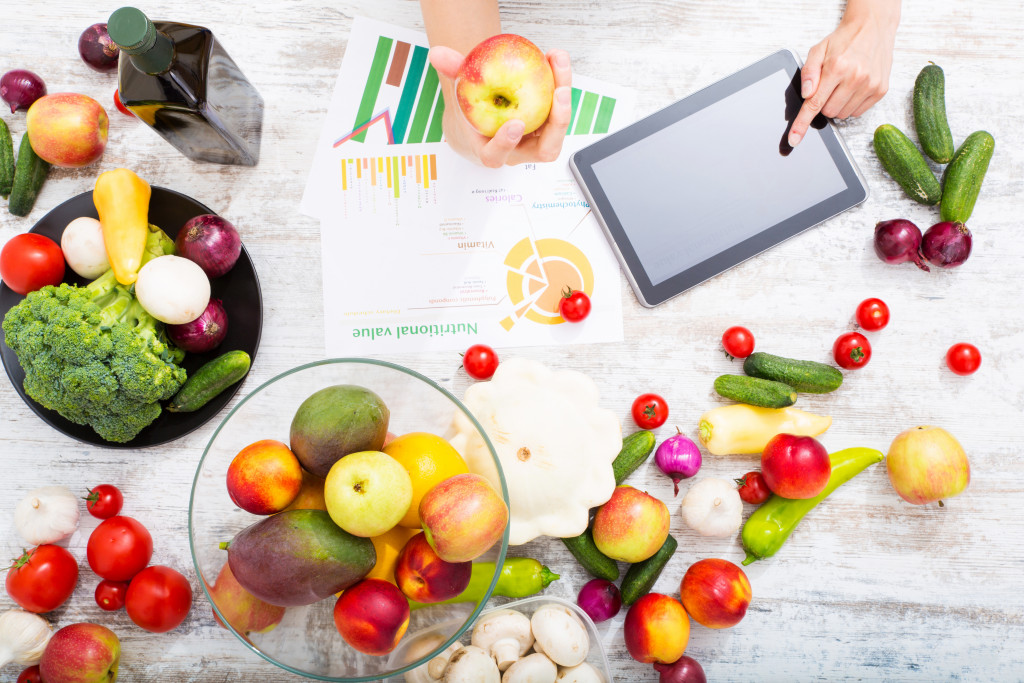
x,y
743,429
122,202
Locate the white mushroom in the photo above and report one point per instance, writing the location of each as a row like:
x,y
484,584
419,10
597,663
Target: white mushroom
x,y
470,664
437,665
505,635
535,668
432,671
581,673
560,635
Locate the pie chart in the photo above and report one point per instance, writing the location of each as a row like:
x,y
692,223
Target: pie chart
x,y
537,273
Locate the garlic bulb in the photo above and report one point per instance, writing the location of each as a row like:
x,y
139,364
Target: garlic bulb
x,y
47,515
23,637
713,507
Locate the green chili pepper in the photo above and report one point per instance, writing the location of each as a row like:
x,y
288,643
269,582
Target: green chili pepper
x,y
770,525
520,577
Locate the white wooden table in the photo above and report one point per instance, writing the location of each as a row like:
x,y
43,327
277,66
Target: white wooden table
x,y
869,587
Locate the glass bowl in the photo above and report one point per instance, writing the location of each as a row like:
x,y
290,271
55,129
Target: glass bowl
x,y
306,641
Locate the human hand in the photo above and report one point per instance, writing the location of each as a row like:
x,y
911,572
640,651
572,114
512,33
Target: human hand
x,y
848,72
509,145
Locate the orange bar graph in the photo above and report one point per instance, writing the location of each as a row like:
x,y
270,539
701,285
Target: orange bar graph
x,y
419,175
389,174
373,173
433,167
404,165
359,168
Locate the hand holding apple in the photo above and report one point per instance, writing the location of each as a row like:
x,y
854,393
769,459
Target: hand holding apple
x,y
67,129
81,653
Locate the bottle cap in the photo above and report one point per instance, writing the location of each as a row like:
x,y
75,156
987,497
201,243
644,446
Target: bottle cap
x,y
131,30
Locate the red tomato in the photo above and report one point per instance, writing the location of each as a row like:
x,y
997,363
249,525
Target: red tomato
x,y
963,359
120,105
649,411
753,488
574,306
104,501
872,314
480,361
119,548
852,350
42,578
29,262
110,594
158,599
30,675
738,342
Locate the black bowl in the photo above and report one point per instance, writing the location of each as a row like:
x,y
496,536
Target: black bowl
x,y
238,290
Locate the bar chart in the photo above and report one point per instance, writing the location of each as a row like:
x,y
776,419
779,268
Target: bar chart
x,y
371,184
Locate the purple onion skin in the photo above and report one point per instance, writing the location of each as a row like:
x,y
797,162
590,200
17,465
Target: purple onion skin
x,y
600,599
897,241
203,334
946,244
679,458
97,49
684,670
20,88
210,241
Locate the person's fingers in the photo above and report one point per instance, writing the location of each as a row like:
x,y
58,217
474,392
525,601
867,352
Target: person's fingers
x,y
496,151
446,60
865,104
810,73
548,144
840,100
560,68
811,107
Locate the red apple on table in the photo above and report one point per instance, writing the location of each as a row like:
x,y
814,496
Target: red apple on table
x,y
503,78
631,526
244,611
716,593
462,517
67,129
372,616
81,653
264,478
425,577
656,629
926,464
795,466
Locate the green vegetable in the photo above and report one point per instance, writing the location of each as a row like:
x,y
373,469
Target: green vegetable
x,y
641,577
930,114
961,182
770,525
906,165
6,160
590,558
806,376
755,391
636,448
29,176
520,577
209,380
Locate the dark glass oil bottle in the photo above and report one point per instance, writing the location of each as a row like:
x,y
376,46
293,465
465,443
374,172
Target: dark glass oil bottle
x,y
178,79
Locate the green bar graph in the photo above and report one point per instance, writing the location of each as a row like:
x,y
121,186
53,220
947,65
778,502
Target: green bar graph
x,y
586,116
436,119
423,107
576,93
604,114
409,90
373,83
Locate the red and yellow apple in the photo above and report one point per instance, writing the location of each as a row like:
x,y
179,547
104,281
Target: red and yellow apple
x,y
81,653
264,478
926,464
795,466
503,78
631,526
425,577
462,517
656,629
244,611
372,616
67,129
716,593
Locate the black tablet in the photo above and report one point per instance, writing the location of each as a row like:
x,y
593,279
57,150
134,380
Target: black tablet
x,y
710,181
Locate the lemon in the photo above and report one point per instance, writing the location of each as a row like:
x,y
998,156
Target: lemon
x,y
429,460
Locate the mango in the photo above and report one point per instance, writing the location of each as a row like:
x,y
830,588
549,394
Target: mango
x,y
336,421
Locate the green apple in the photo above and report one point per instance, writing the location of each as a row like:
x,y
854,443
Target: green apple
x,y
367,493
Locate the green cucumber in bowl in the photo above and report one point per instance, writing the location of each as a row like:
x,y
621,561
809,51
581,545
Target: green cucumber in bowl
x,y
209,381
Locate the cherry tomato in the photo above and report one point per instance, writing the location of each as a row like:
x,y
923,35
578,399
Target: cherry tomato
x,y
872,314
649,411
29,262
963,359
120,105
30,675
480,361
738,342
104,501
158,599
42,578
110,594
852,350
574,306
119,548
753,488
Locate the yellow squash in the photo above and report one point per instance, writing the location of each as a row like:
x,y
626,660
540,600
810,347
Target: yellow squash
x,y
742,429
122,202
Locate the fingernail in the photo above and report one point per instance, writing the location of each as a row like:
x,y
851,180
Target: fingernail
x,y
515,130
794,139
562,60
563,96
805,89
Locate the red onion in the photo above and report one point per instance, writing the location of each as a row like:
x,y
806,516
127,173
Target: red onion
x,y
946,244
683,670
203,334
679,458
600,599
20,88
210,241
897,241
97,49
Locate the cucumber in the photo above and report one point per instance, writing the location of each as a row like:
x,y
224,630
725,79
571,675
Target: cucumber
x,y
902,160
755,391
930,114
636,448
807,376
29,176
641,577
961,182
6,160
590,558
209,380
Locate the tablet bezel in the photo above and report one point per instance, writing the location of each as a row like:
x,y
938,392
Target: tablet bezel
x,y
581,164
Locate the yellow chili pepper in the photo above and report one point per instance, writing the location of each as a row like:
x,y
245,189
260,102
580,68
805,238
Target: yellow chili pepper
x,y
741,429
122,202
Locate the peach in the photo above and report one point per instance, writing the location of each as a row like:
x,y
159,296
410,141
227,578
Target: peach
x,y
656,629
425,577
311,494
67,129
631,526
264,478
372,616
244,611
462,517
715,593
